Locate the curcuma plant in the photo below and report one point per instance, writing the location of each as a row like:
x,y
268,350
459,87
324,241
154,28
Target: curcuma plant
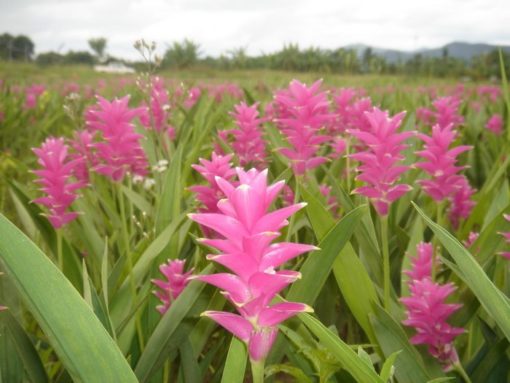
x,y
318,233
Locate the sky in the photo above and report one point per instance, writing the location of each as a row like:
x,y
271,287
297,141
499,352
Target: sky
x,y
257,25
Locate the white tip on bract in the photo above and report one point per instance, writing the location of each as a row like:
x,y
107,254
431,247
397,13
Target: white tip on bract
x,y
308,309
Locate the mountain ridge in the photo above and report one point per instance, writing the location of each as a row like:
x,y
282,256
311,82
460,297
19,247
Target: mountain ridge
x,y
456,49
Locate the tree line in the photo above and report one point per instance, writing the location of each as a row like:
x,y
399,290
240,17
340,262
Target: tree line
x,y
291,57
187,54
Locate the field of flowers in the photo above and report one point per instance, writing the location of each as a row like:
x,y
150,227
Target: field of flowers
x,y
160,231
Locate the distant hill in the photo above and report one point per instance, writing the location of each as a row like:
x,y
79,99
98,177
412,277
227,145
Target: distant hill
x,y
459,50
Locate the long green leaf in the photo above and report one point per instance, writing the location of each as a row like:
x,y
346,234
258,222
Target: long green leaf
x,y
25,349
235,365
70,325
316,268
350,274
156,350
351,362
391,337
493,301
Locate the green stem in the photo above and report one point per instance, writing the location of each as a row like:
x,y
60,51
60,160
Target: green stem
x,y
348,164
60,256
386,261
458,367
131,277
257,370
435,242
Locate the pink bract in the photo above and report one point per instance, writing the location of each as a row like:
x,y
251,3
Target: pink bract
x,y
246,230
440,163
427,311
209,195
55,178
302,112
119,150
248,144
380,168
172,286
495,124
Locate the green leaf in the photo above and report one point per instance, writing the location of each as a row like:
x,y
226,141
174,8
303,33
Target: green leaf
x,y
235,365
350,274
156,349
70,325
386,370
392,338
295,372
351,362
320,217
140,202
169,203
317,266
25,349
493,301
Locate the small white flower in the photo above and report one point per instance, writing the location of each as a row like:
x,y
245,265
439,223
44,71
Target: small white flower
x,y
148,183
137,179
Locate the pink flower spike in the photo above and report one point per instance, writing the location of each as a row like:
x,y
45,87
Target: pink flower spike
x,y
495,124
55,178
506,235
248,144
246,229
119,150
302,112
461,202
447,111
440,163
172,286
156,115
421,266
379,162
427,312
209,195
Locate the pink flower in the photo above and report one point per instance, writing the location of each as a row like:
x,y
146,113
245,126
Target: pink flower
x,y
172,286
331,202
32,94
55,178
119,151
447,111
506,235
82,143
247,230
495,124
427,312
303,111
461,202
209,195
193,96
425,115
440,163
421,265
379,162
249,144
472,237
288,196
157,114
352,115
338,146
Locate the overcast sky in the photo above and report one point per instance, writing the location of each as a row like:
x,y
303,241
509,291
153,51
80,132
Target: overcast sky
x,y
258,25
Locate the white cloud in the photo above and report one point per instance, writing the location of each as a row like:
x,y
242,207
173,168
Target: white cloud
x,y
263,25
